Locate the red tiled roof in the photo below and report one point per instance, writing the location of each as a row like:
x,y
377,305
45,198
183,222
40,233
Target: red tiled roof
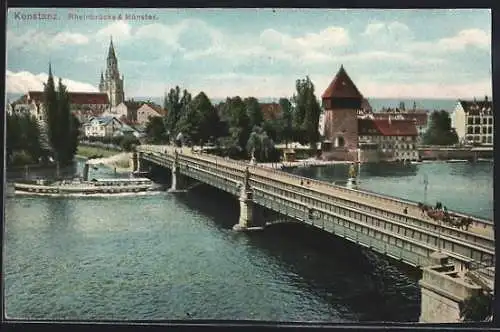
x,y
342,87
477,107
157,108
270,111
385,127
78,98
420,118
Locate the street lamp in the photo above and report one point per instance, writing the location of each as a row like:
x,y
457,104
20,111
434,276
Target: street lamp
x,y
426,183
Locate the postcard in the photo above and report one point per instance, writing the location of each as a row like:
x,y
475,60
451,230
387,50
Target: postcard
x,y
271,165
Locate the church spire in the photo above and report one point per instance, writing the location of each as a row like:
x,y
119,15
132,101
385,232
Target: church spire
x,y
111,52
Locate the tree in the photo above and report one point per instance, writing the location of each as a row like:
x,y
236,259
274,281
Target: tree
x,y
200,121
260,145
306,113
239,122
440,131
477,307
254,111
51,110
128,142
155,130
175,104
62,125
286,117
22,138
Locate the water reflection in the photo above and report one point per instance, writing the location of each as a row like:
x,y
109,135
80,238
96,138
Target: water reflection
x,y
340,274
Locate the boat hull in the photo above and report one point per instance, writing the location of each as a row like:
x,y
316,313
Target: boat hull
x,y
83,189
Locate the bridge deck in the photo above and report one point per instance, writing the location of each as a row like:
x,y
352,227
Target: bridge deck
x,y
312,193
367,198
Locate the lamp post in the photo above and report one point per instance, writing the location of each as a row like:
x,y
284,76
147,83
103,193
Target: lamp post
x,y
426,183
359,165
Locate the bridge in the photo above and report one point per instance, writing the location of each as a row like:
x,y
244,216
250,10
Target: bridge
x,y
456,263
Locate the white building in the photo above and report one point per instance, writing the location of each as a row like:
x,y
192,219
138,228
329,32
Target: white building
x,y
473,121
105,126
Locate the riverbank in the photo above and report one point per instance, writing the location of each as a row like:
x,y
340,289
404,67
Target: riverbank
x,y
119,161
85,151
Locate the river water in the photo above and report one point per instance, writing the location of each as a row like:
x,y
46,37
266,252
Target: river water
x,y
174,256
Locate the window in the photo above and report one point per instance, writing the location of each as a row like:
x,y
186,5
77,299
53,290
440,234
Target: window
x,y
469,130
489,139
470,121
490,120
490,130
485,120
484,139
477,130
484,130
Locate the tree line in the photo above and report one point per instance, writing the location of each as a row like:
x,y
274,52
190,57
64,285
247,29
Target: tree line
x,y
25,133
440,131
238,124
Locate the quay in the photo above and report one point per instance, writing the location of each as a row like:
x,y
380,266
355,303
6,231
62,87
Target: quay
x,y
450,258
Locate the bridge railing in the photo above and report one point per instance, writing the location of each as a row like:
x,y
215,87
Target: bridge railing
x,y
478,222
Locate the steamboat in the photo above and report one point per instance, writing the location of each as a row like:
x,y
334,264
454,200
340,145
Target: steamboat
x,y
82,186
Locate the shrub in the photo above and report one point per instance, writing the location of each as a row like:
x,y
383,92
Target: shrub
x,y
21,158
128,143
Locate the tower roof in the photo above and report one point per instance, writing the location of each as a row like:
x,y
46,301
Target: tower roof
x,y
111,52
342,87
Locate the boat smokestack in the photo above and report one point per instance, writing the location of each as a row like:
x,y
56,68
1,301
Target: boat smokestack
x,y
86,172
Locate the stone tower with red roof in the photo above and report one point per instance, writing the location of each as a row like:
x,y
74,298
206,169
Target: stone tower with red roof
x,y
341,102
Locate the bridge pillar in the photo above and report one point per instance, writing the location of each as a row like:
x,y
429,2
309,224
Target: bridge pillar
x,y
85,174
246,219
134,162
443,288
177,182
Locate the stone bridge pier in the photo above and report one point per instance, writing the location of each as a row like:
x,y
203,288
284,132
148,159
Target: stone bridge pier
x,y
443,289
86,168
136,164
248,216
178,181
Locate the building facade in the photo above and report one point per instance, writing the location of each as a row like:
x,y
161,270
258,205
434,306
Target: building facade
x,y
83,105
146,111
105,126
111,83
473,121
388,139
420,117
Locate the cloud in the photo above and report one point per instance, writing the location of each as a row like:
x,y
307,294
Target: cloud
x,y
470,37
23,81
387,34
120,30
68,38
331,37
43,42
476,38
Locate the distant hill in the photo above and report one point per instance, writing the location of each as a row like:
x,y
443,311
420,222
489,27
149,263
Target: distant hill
x,y
376,103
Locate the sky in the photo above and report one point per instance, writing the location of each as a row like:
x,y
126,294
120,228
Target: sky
x,y
255,52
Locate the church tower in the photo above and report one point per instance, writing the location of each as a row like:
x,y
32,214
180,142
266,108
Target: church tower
x,y
341,102
111,83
